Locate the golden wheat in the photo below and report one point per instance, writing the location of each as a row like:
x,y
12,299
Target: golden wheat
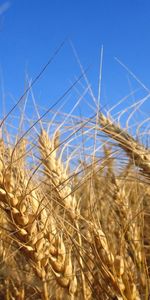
x,y
64,236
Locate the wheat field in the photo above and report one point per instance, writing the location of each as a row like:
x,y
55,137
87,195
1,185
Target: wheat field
x,y
74,223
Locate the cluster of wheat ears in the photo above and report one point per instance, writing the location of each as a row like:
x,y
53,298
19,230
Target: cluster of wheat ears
x,y
74,233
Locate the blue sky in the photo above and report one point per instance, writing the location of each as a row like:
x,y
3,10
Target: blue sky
x,y
30,31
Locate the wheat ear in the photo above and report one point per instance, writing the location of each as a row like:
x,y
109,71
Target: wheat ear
x,y
136,151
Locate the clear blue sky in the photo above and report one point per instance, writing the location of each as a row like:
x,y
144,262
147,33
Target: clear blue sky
x,y
30,30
